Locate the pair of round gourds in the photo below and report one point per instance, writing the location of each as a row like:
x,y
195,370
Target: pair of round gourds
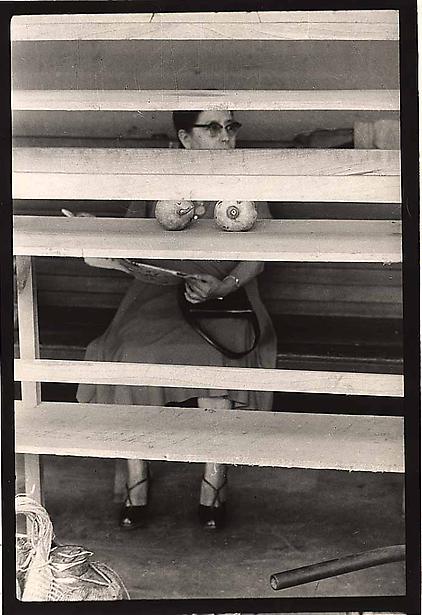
x,y
228,215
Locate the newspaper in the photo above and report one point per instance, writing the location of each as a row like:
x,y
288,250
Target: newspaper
x,y
146,272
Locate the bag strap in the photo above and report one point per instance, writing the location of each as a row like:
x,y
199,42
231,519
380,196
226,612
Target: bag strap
x,y
196,325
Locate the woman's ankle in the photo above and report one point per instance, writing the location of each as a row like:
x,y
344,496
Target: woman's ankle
x,y
137,493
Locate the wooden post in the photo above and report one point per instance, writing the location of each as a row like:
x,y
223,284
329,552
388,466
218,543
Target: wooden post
x,y
29,348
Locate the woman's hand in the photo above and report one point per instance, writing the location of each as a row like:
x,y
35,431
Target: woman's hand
x,y
201,287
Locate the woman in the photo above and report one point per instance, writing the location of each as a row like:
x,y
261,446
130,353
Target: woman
x,y
149,327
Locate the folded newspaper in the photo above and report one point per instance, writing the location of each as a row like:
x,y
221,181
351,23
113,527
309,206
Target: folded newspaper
x,y
146,272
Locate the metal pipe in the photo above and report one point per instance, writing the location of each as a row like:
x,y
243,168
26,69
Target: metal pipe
x,y
334,567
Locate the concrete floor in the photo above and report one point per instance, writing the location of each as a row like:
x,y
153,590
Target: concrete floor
x,y
279,519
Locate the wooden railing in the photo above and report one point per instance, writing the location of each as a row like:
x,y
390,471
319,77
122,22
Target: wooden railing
x,y
370,443
251,26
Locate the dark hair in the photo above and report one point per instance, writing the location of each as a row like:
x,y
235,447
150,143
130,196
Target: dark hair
x,y
184,120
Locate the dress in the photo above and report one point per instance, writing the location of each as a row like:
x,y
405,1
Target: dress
x,y
149,327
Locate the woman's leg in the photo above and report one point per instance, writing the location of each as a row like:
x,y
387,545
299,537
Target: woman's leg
x,y
134,512
215,474
214,484
137,482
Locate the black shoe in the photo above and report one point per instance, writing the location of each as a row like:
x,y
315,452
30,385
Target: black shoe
x,y
133,517
213,517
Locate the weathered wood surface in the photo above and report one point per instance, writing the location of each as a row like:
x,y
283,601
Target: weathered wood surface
x,y
372,16
202,65
320,441
287,175
99,186
269,240
29,348
277,25
243,162
28,324
173,100
195,376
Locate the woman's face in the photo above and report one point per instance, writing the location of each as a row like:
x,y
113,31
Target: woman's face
x,y
202,137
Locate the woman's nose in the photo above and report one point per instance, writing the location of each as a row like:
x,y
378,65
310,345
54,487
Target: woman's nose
x,y
224,135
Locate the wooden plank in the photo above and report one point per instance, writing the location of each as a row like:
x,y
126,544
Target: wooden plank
x,y
285,360
91,300
320,441
269,240
29,348
28,324
26,21
224,17
291,273
314,307
337,308
195,376
33,477
304,289
242,162
178,31
83,284
354,188
374,17
173,100
330,292
284,65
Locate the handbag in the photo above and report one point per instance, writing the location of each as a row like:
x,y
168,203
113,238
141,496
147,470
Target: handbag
x,y
233,305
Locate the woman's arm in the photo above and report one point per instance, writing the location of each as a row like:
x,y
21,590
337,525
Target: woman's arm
x,y
206,286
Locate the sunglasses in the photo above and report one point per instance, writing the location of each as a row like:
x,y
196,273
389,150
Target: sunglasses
x,y
215,128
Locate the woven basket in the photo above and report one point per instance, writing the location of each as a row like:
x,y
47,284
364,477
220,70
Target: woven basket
x,y
62,573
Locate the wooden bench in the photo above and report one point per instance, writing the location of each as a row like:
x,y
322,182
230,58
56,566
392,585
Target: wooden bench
x,y
279,175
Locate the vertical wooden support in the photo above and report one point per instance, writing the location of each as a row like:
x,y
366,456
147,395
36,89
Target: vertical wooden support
x,y
29,348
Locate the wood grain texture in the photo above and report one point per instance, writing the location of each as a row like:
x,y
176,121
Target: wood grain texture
x,y
204,65
269,240
320,441
172,100
29,344
353,17
178,31
29,348
98,186
206,174
304,289
374,17
195,376
223,17
242,162
33,477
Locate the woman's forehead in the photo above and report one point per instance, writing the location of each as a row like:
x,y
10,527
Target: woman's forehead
x,y
214,116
